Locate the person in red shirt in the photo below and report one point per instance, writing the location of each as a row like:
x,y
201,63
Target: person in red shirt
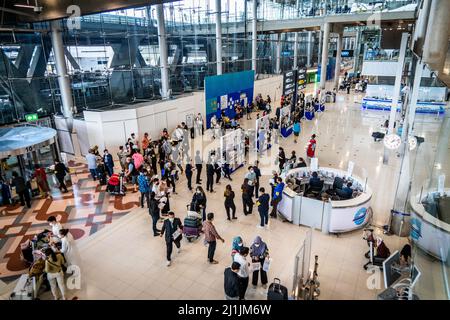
x,y
310,152
41,180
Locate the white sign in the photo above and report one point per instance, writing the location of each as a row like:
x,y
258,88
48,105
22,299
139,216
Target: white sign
x,y
223,101
441,184
351,165
314,164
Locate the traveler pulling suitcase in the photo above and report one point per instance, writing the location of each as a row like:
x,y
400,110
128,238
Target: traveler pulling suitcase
x,y
277,291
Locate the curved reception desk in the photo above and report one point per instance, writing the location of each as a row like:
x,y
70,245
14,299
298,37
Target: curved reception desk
x,y
329,216
430,223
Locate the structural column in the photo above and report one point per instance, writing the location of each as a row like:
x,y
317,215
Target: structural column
x,y
397,84
61,69
219,36
295,50
254,34
309,50
162,52
436,40
278,62
356,50
337,70
323,65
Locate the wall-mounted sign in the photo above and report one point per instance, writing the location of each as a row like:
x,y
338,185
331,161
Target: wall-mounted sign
x,y
301,78
344,53
31,117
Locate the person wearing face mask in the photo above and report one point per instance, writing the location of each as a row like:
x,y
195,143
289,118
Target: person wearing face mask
x,y
244,271
199,202
238,243
109,162
154,211
251,176
259,253
172,228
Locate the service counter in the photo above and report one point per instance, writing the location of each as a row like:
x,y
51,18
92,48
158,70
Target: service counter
x,y
329,216
431,232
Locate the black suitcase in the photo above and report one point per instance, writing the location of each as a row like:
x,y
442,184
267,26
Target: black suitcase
x,y
27,254
277,291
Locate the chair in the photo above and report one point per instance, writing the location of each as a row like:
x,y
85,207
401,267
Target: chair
x,y
316,190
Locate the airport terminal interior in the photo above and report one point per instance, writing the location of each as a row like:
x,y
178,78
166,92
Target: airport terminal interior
x,y
225,150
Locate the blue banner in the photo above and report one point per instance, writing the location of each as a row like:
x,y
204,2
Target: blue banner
x,y
223,92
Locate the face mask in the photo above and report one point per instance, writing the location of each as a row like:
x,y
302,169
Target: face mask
x,y
171,219
256,245
240,244
199,192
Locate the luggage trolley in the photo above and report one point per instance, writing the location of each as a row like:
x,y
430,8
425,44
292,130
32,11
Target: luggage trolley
x,y
192,225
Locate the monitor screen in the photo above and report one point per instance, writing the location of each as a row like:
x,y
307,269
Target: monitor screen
x,y
390,276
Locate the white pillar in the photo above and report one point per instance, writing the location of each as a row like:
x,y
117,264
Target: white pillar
x,y
278,61
356,50
337,69
421,25
254,34
219,36
436,40
323,68
396,95
61,69
309,50
414,96
165,94
295,50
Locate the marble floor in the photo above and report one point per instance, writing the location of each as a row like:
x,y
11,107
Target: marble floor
x,y
125,261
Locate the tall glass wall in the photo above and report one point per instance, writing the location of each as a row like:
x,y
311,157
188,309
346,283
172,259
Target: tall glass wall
x,y
424,193
113,59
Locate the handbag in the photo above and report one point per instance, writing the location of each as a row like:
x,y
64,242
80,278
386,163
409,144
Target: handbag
x,y
266,265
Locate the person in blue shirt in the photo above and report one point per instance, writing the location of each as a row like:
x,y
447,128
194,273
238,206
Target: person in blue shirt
x,y
346,192
277,195
109,162
144,187
296,128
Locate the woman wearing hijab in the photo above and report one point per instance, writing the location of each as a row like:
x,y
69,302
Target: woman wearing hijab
x,y
259,253
238,243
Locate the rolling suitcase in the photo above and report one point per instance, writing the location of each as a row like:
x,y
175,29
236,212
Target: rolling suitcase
x,y
277,291
23,289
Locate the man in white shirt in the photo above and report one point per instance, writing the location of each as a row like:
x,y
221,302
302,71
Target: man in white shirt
x,y
178,134
244,271
56,226
91,160
135,140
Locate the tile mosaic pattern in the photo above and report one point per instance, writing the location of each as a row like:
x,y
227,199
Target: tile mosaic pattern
x,y
86,209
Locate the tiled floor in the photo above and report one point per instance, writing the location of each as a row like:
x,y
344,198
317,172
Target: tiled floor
x,y
125,261
86,209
